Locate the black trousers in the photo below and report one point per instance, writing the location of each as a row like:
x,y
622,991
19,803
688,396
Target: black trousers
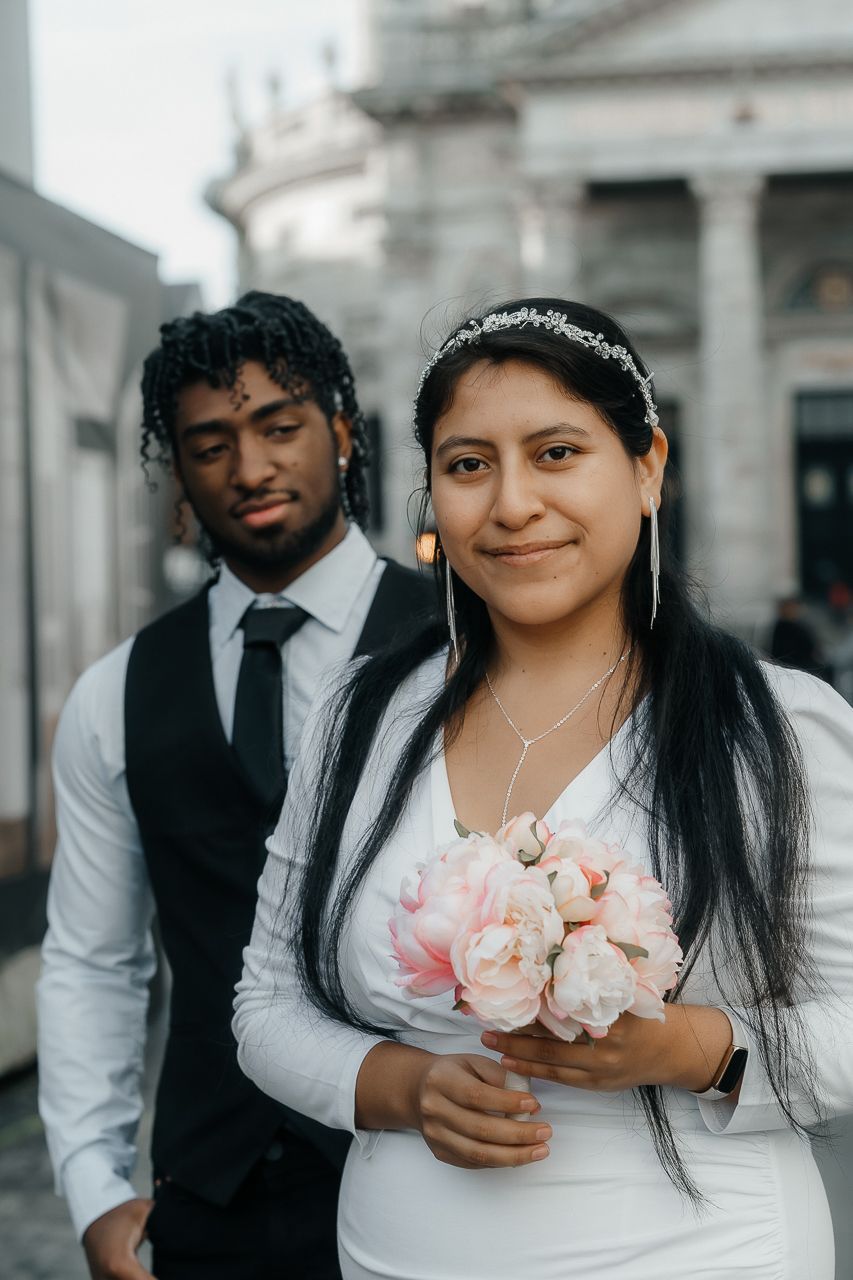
x,y
281,1225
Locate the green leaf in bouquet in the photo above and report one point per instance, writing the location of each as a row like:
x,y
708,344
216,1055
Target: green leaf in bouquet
x,y
460,830
631,951
528,858
551,957
589,1039
598,889
460,1006
537,839
552,876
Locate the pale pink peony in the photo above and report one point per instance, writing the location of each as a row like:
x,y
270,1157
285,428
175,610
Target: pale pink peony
x,y
571,841
634,912
578,865
621,907
500,956
656,973
593,982
518,836
633,905
570,887
434,909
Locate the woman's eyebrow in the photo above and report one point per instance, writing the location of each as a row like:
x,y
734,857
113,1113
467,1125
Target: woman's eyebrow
x,y
463,442
542,433
558,429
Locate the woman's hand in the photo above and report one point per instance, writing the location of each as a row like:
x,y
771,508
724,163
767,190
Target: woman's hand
x,y
449,1098
684,1051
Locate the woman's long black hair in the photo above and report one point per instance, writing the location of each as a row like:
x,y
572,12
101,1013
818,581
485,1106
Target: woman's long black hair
x,y
715,764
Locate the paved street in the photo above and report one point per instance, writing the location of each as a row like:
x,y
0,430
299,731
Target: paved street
x,y
38,1242
36,1238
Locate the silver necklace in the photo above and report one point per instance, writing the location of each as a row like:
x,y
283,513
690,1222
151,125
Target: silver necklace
x,y
528,742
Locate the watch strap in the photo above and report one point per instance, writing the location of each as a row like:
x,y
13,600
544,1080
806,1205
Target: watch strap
x,y
725,1082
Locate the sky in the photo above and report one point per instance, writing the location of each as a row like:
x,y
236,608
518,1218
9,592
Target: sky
x,y
132,116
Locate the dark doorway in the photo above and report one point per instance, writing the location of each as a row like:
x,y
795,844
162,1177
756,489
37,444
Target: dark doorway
x,y
825,494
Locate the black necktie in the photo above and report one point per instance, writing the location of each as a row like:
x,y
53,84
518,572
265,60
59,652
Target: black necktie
x,y
258,736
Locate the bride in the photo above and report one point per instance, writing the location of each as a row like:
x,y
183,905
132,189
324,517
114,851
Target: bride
x,y
669,1149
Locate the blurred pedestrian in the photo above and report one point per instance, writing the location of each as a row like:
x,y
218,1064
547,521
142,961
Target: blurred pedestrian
x,y
840,656
171,763
839,597
794,643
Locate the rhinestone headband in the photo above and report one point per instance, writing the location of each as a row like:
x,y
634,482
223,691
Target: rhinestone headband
x,y
558,324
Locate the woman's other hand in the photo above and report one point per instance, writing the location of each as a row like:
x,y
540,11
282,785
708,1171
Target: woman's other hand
x,y
450,1099
685,1051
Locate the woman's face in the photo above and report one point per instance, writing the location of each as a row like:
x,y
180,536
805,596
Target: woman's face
x,y
537,504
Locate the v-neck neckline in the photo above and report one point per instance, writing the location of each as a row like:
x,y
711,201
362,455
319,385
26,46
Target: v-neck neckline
x,y
444,809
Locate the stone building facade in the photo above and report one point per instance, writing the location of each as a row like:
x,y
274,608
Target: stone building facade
x,y
685,164
84,543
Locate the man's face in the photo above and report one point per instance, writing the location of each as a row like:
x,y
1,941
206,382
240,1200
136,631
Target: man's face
x,y
260,470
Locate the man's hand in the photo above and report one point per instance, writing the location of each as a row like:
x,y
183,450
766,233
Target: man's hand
x,y
111,1242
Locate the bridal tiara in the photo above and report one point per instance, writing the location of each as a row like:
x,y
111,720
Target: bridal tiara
x,y
559,324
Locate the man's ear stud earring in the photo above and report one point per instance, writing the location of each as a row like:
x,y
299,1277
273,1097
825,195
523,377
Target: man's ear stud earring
x,y
343,463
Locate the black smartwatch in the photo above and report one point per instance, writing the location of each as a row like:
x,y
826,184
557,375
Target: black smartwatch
x,y
731,1068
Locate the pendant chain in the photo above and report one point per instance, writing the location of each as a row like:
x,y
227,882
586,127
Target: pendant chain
x,y
529,742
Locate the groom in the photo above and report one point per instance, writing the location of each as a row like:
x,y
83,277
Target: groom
x,y
170,764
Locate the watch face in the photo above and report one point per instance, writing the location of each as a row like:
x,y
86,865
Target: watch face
x,y
733,1072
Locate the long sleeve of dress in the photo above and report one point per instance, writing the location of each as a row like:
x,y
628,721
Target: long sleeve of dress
x,y
823,723
290,1050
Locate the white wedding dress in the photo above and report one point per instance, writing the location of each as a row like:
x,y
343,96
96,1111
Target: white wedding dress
x,y
600,1205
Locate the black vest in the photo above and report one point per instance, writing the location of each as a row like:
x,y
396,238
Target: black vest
x,y
203,828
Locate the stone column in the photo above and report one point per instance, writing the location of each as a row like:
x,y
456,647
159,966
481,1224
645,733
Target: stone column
x,y
549,225
733,509
14,667
406,300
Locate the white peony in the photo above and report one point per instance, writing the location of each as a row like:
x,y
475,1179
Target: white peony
x,y
593,981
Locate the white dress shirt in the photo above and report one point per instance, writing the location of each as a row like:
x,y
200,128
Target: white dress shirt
x,y
98,954
600,1205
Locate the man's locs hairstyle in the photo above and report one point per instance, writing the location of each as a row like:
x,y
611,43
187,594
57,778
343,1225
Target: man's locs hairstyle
x,y
297,350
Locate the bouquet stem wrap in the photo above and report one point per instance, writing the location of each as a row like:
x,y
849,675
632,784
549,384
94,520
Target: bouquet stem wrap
x,y
518,1084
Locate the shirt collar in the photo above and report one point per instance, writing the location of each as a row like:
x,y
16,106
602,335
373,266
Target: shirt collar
x,y
329,590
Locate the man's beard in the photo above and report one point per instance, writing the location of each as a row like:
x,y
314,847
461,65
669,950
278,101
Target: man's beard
x,y
271,550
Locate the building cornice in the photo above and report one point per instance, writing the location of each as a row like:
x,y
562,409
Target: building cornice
x,y
233,195
803,326
398,105
582,69
549,37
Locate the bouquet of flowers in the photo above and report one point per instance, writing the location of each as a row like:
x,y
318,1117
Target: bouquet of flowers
x,y
528,925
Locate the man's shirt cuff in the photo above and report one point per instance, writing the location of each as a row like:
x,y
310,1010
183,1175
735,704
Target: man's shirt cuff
x,y
92,1187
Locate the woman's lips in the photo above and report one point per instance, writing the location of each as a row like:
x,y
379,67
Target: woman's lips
x,y
266,515
518,557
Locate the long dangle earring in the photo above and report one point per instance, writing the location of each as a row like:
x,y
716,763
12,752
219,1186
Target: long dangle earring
x,y
451,609
655,558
